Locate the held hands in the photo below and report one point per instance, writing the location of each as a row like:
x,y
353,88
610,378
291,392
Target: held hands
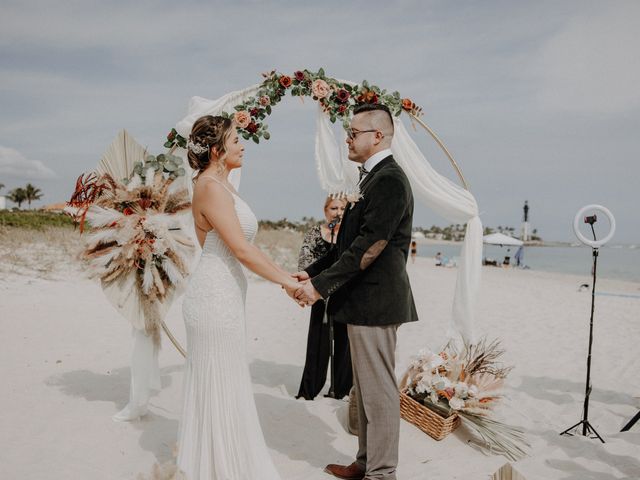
x,y
307,294
291,288
301,290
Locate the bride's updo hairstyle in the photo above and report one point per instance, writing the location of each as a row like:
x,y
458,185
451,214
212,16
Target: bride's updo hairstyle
x,y
208,132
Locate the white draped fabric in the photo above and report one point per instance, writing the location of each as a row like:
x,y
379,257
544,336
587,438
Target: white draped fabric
x,y
338,175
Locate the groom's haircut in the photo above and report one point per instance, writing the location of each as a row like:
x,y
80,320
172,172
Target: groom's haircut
x,y
378,116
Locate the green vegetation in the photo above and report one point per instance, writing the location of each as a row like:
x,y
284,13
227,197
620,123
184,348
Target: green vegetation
x,y
17,195
34,219
32,193
302,226
456,232
27,194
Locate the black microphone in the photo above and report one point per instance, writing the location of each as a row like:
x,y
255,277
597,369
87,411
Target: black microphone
x,y
333,223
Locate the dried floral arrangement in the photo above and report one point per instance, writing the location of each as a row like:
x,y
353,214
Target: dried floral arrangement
x,y
468,381
135,243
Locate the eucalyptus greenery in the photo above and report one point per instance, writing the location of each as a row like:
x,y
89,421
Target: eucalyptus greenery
x,y
169,165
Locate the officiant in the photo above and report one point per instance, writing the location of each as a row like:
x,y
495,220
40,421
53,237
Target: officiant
x,y
317,242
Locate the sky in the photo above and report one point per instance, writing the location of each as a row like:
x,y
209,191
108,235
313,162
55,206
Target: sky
x,y
536,100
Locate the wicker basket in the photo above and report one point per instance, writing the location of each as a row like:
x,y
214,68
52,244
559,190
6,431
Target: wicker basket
x,y
426,419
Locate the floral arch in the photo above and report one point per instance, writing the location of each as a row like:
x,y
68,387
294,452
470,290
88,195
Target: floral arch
x,y
132,197
336,100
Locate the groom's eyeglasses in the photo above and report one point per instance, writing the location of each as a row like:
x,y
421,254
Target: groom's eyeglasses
x,y
352,134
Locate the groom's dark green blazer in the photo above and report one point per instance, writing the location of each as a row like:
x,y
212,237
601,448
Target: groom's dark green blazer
x,y
366,277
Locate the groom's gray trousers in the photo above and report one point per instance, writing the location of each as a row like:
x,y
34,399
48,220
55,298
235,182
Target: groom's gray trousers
x,y
373,358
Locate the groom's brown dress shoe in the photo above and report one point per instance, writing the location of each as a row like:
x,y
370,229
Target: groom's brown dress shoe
x,y
348,472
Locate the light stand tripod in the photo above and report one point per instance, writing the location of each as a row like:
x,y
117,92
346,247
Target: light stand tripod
x,y
587,428
631,423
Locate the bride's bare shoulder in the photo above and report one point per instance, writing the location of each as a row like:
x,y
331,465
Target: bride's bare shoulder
x,y
208,187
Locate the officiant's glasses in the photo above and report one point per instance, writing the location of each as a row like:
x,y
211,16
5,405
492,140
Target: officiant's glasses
x,y
352,134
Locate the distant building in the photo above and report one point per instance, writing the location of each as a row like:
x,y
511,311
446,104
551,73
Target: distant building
x,y
3,202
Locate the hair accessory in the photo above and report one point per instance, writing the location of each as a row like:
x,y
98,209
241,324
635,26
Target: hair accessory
x,y
196,147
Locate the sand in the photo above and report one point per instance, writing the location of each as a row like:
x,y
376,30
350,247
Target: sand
x,y
65,355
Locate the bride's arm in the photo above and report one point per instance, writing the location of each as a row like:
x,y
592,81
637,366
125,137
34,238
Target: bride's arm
x,y
219,210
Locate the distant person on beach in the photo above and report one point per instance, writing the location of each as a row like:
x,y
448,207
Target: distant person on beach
x,y
438,258
518,257
317,243
414,251
507,259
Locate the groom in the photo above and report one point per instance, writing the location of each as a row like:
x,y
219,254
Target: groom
x,y
370,290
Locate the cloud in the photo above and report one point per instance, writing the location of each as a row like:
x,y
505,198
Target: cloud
x,y
592,64
14,165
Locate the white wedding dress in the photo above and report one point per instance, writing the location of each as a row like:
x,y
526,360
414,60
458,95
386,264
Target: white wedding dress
x,y
220,437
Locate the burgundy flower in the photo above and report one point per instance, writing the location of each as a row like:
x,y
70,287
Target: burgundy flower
x,y
342,108
342,95
299,75
254,112
128,211
252,127
171,136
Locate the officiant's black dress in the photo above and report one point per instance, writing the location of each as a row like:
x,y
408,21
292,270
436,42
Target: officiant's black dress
x,y
316,365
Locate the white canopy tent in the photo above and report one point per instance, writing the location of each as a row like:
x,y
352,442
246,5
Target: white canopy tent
x,y
502,240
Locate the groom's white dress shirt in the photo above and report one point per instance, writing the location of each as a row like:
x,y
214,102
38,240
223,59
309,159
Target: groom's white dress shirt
x,y
375,159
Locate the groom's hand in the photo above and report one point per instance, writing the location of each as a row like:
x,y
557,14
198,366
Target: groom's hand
x,y
300,276
307,293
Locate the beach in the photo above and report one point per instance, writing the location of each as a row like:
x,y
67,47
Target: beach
x,y
65,365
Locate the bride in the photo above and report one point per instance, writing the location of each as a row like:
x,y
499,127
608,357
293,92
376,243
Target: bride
x,y
220,436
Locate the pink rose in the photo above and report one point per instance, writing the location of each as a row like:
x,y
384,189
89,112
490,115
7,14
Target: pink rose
x,y
320,88
264,101
242,118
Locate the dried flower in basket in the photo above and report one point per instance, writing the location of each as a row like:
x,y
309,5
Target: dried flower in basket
x,y
470,382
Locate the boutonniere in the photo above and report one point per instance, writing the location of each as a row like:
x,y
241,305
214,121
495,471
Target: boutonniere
x,y
354,198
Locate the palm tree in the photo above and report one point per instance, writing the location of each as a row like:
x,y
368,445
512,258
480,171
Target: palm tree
x,y
17,195
1,186
32,193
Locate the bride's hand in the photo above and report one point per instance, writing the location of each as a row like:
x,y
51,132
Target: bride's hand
x,y
291,288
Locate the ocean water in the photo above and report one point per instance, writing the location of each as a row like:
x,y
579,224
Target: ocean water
x,y
616,262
